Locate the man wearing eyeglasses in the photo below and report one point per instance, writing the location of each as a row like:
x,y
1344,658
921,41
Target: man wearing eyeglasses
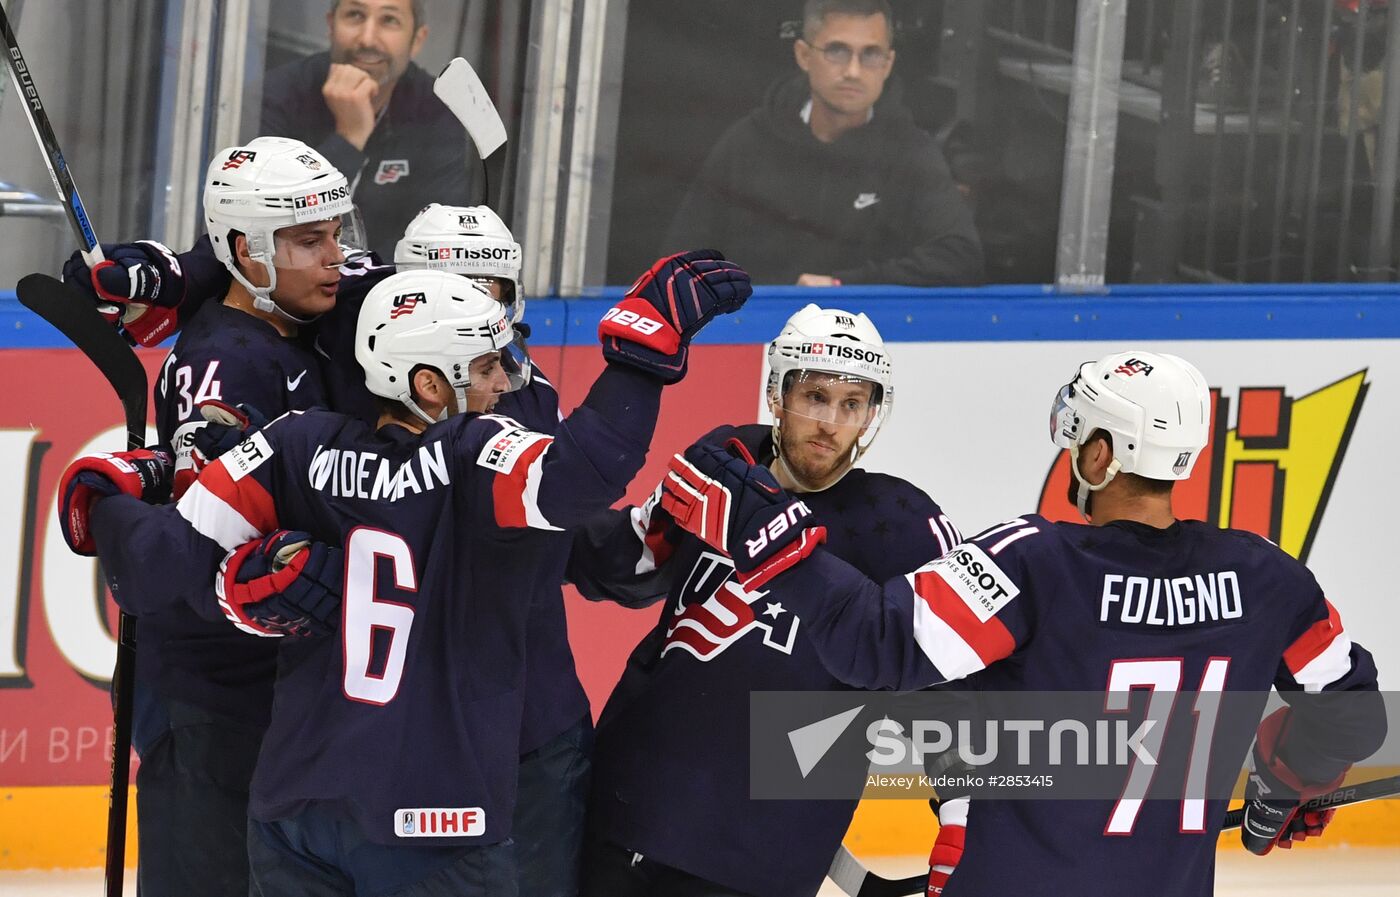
x,y
830,181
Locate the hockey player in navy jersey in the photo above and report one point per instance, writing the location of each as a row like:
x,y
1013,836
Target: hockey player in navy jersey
x,y
671,812
1031,604
471,241
279,215
402,732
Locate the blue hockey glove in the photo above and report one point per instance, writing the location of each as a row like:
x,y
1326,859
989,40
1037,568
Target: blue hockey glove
x,y
652,326
228,425
145,473
282,584
140,286
730,503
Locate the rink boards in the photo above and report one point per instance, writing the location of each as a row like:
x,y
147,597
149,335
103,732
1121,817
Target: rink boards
x,y
1307,422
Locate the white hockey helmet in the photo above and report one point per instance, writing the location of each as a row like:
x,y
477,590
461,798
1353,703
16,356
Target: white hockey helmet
x,y
471,241
267,184
836,342
428,318
1156,406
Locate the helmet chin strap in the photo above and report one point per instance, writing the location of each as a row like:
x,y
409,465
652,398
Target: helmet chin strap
x,y
460,391
1085,487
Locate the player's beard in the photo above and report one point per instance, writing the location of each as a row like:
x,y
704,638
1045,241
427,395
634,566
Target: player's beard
x,y
810,472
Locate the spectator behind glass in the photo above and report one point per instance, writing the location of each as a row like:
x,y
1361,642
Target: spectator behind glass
x,y
400,155
830,181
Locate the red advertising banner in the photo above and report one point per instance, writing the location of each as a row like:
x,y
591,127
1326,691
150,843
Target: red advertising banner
x,y
57,624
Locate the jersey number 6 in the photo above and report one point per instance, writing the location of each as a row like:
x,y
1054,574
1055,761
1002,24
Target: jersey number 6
x,y
367,616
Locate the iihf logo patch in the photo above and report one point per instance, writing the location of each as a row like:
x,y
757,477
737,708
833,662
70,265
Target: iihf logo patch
x,y
406,303
238,157
391,171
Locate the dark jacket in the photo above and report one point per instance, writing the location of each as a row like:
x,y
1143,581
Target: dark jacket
x,y
418,153
877,205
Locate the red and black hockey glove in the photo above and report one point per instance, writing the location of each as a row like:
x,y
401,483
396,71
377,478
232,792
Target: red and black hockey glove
x,y
652,326
730,503
140,286
282,584
1274,794
948,846
145,473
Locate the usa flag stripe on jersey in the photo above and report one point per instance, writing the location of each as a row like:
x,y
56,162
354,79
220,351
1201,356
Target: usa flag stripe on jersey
x,y
226,510
989,641
1321,655
517,493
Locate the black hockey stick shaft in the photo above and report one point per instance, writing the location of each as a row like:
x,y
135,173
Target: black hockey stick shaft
x,y
1348,794
864,883
77,319
38,118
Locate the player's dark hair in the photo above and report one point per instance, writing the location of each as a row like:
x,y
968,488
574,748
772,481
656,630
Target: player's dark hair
x,y
814,13
420,17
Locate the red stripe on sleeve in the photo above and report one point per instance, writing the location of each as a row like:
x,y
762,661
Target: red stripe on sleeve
x,y
990,640
246,496
1313,642
509,491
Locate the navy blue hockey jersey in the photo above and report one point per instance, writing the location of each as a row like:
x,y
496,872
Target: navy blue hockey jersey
x,y
1034,605
409,718
668,772
557,699
226,354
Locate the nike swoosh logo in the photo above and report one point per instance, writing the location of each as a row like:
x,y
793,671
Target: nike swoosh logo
x,y
866,200
293,384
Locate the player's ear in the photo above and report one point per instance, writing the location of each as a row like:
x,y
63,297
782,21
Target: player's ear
x,y
425,386
419,38
240,248
256,272
1098,454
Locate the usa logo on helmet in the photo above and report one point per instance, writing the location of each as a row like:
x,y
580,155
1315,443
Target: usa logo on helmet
x,y
238,157
405,304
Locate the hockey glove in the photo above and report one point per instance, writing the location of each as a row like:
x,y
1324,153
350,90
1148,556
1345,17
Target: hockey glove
x,y
141,473
282,584
140,286
1274,794
948,846
732,504
228,425
651,327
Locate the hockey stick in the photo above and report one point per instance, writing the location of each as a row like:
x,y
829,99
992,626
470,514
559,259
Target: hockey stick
x,y
461,90
853,878
80,321
48,143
